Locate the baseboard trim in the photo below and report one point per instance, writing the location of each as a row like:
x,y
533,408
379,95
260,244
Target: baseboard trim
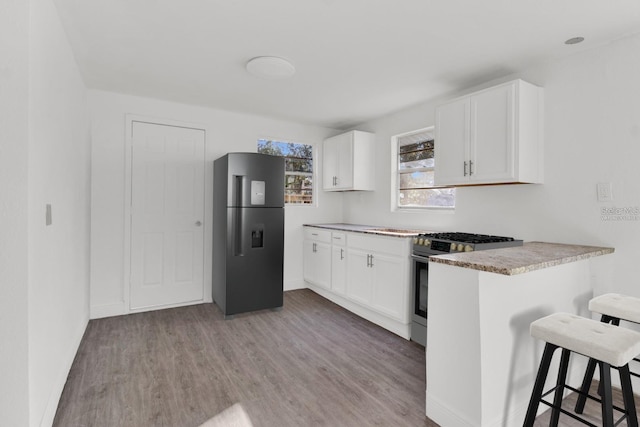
x,y
292,285
107,310
441,414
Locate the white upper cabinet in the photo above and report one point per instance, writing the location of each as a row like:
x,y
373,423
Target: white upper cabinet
x,y
490,137
347,162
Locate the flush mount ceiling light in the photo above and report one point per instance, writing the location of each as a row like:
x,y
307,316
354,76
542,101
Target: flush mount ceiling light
x,y
574,40
270,67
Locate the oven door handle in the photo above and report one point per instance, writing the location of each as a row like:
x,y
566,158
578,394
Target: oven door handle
x,y
420,258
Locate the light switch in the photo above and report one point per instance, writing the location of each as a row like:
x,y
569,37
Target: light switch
x,y
48,215
605,193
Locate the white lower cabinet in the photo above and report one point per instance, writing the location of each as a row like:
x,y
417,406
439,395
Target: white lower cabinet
x,y
369,275
377,274
388,296
338,263
359,286
317,257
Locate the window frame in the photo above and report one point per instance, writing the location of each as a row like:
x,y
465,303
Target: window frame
x,y
313,174
396,172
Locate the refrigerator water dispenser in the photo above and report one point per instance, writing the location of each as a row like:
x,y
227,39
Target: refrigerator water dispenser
x,y
257,236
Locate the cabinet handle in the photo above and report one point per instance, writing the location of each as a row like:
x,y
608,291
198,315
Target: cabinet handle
x,y
369,260
470,168
341,254
465,168
314,247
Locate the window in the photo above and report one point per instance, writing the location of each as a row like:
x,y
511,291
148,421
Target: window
x,y
298,160
415,162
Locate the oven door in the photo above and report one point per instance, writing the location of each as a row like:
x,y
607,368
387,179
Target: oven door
x,y
420,279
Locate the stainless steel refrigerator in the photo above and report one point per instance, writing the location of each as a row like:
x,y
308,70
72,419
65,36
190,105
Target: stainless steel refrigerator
x,y
248,232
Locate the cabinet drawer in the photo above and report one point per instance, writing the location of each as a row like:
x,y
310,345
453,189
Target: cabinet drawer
x,y
338,238
317,234
381,244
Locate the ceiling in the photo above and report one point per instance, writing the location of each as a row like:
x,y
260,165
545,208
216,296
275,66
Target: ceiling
x,y
355,60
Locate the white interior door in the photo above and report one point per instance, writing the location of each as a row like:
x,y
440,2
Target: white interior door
x,y
167,215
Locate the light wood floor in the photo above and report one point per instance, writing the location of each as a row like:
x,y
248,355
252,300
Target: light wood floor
x,y
311,364
592,411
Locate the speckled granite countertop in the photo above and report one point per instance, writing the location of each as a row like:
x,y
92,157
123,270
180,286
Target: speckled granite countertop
x,y
370,229
521,259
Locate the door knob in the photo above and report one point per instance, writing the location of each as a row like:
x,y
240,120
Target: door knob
x,y
198,223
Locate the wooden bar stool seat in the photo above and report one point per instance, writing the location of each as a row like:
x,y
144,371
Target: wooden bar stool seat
x,y
608,345
613,308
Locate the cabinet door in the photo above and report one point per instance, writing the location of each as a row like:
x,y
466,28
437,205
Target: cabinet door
x,y
359,286
337,162
317,263
344,179
339,270
390,286
329,164
492,135
452,143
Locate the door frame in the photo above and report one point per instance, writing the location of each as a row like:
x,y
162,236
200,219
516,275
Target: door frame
x,y
130,119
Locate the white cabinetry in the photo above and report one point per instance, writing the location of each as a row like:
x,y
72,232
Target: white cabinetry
x,y
367,274
491,136
317,257
377,274
347,162
338,263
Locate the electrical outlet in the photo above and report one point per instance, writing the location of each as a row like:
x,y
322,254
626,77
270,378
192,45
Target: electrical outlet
x,y
605,193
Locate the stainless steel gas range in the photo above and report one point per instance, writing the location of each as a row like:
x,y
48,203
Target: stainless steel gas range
x,y
425,245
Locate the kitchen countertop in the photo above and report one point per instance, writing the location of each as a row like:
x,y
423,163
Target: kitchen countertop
x,y
370,229
521,259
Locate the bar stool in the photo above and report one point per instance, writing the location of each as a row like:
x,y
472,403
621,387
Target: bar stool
x,y
613,308
607,344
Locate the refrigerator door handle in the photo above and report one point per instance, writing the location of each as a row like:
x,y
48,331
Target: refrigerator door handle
x,y
237,191
237,233
238,202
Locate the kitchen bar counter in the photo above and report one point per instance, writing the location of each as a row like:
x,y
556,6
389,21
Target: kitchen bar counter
x,y
370,229
522,259
481,359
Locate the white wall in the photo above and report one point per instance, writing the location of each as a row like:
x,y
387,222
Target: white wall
x,y
14,134
59,174
44,158
592,134
225,132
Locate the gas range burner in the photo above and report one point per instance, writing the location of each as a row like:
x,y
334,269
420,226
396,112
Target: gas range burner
x,y
467,237
439,243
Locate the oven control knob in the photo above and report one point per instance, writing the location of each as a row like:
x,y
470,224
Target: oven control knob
x,y
427,242
460,247
415,240
420,241
468,248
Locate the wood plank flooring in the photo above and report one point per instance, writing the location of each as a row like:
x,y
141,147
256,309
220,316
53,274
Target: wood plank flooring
x,y
311,364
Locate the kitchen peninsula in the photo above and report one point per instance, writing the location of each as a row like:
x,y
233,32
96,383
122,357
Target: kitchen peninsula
x,y
481,360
